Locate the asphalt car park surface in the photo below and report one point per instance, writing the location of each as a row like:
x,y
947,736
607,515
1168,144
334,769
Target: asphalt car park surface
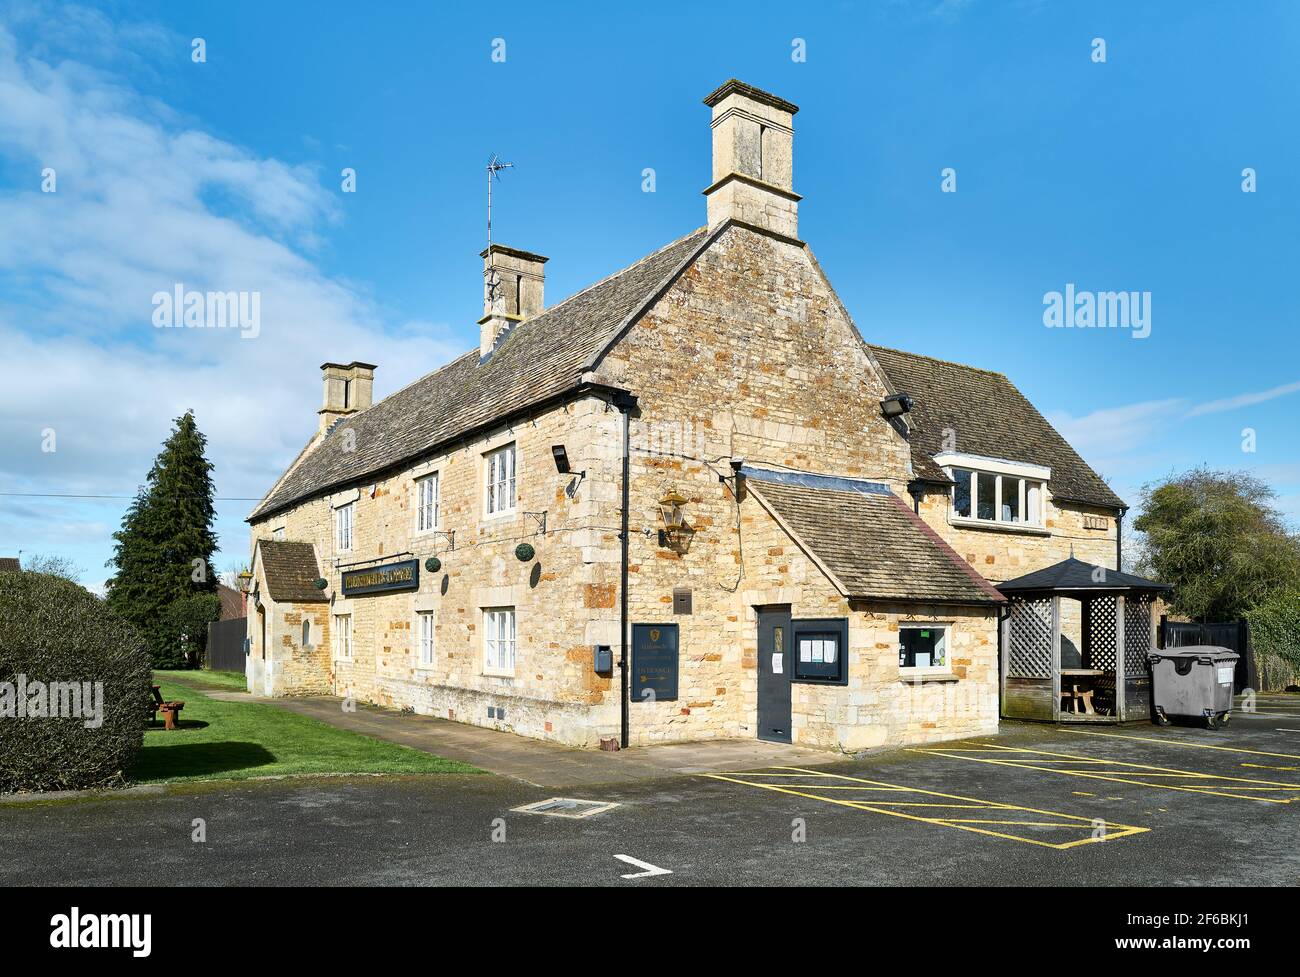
x,y
1035,805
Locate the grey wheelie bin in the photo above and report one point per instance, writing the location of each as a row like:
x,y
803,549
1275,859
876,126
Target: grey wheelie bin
x,y
1195,682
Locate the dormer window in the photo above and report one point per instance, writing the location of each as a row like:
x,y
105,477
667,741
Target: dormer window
x,y
994,491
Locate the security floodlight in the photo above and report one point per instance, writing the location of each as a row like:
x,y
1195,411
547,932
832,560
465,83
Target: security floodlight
x,y
896,405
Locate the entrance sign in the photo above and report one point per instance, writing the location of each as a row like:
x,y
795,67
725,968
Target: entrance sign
x,y
654,662
382,579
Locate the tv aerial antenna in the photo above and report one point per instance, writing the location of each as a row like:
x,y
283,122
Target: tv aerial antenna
x,y
494,167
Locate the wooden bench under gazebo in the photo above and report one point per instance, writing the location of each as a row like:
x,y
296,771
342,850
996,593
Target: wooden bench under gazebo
x,y
1110,682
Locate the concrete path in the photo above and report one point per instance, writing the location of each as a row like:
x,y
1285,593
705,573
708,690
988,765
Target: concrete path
x,y
533,761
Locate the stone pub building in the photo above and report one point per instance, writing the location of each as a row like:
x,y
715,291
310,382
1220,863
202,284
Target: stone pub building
x,y
689,501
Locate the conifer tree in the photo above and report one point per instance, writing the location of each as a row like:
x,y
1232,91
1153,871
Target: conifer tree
x,y
165,546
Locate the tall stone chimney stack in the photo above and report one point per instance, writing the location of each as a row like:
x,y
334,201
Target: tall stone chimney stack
x,y
513,287
348,389
753,159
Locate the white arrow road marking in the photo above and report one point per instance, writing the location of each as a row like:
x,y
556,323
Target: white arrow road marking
x,y
649,869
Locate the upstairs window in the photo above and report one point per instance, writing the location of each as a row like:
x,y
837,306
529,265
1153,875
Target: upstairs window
x,y
500,471
343,527
426,504
996,497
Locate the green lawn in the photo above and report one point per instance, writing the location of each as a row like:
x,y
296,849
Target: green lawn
x,y
228,680
237,740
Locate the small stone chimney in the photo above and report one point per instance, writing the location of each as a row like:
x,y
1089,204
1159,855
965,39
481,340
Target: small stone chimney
x,y
753,159
513,284
348,389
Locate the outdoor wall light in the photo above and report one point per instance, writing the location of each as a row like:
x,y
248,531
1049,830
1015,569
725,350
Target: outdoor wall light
x,y
670,509
245,580
561,459
896,405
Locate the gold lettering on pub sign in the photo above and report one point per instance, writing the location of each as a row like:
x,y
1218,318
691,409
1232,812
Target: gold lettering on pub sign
x,y
379,577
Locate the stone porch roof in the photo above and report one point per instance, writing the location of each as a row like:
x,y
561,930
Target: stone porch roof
x,y
538,359
867,540
290,571
990,417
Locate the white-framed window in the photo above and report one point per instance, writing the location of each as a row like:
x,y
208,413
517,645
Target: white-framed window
x,y
499,471
424,636
426,503
277,533
923,647
994,490
342,635
343,527
499,640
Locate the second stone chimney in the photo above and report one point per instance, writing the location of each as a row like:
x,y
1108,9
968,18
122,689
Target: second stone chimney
x,y
753,159
348,389
513,283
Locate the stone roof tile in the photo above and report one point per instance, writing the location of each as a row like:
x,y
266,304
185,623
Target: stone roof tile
x,y
988,416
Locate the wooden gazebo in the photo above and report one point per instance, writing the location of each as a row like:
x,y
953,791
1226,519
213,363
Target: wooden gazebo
x,y
1111,681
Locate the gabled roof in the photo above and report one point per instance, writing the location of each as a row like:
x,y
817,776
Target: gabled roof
x,y
988,416
9,564
290,571
871,545
1071,574
538,359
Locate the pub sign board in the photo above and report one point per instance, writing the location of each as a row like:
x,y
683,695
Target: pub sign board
x,y
654,662
382,579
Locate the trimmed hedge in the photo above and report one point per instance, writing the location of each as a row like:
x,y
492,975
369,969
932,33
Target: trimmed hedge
x,y
52,630
1275,635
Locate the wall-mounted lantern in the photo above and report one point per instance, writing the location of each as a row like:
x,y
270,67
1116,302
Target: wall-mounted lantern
x,y
670,510
245,578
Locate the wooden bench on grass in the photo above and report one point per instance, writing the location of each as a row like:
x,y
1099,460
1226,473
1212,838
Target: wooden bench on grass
x,y
170,710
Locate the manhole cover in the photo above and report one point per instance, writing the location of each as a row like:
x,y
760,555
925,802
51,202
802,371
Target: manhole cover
x,y
566,807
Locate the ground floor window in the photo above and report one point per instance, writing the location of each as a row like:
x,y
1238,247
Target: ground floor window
x,y
499,640
923,647
425,633
342,635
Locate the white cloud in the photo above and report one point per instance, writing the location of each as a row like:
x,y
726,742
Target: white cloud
x,y
1114,430
1243,400
144,203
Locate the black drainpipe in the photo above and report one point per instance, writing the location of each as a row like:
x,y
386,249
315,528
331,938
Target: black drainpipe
x,y
625,403
1119,540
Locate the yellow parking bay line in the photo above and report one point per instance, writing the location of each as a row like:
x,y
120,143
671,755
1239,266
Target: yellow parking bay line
x,y
1172,741
822,784
1139,774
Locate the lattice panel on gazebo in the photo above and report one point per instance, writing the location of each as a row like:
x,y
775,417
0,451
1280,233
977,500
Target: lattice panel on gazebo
x,y
1029,637
1137,634
1101,633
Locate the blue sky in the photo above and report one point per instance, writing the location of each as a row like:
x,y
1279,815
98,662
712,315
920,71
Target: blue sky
x,y
1122,175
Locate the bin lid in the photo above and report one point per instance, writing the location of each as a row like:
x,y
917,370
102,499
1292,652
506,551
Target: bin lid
x,y
1213,653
